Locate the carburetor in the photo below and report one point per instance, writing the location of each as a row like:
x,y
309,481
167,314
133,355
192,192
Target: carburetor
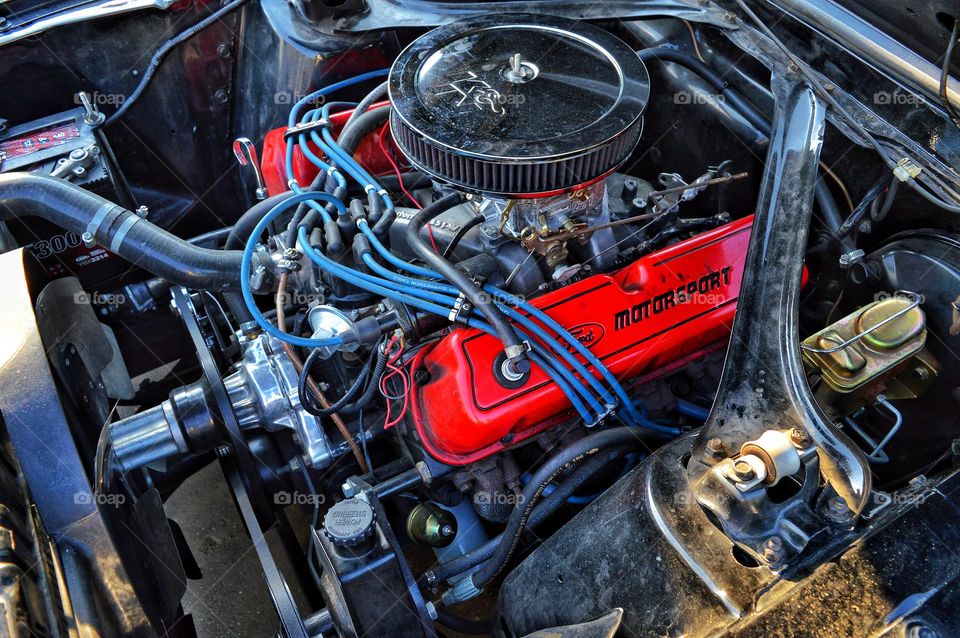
x,y
528,113
880,348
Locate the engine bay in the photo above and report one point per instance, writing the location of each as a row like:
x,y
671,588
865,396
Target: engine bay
x,y
504,318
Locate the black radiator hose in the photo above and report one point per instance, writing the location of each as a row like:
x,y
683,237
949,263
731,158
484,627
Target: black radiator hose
x,y
514,348
575,453
546,508
120,231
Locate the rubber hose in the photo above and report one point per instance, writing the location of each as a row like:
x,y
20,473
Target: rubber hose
x,y
121,231
376,94
541,512
480,300
351,136
244,226
546,474
238,236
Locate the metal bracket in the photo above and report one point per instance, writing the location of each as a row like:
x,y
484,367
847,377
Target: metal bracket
x,y
763,385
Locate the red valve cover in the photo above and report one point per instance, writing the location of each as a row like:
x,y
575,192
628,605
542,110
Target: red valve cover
x,y
662,307
273,158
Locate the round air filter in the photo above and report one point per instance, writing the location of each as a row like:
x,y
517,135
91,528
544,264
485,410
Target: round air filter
x,y
518,105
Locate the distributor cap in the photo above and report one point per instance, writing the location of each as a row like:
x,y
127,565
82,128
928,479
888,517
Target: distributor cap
x,y
518,104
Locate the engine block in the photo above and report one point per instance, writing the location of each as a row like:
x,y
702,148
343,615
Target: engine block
x,y
660,308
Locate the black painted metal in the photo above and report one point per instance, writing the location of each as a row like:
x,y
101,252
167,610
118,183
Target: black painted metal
x,y
39,430
763,384
644,545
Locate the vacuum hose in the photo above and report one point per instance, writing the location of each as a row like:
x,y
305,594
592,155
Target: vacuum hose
x,y
121,231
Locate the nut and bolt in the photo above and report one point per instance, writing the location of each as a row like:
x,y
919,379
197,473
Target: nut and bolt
x,y
222,96
743,471
715,450
729,17
225,51
773,550
837,510
424,470
799,437
289,265
921,374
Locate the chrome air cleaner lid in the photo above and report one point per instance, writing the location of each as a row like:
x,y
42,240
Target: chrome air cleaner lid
x,y
518,104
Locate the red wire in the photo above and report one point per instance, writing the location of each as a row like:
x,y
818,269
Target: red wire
x,y
405,380
382,140
396,169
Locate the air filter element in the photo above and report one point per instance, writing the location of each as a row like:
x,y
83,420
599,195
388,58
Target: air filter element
x,y
518,105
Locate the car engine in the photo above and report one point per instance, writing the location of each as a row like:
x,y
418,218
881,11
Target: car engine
x,y
525,319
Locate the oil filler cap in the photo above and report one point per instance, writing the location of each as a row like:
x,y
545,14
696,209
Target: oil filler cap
x,y
518,104
349,523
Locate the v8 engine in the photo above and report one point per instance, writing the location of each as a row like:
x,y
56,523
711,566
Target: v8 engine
x,y
480,318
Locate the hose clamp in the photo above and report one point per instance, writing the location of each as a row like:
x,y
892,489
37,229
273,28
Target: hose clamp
x,y
289,260
98,218
517,351
122,231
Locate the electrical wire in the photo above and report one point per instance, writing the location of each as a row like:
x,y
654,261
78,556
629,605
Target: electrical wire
x,y
632,413
328,145
396,168
723,88
430,302
945,74
345,399
314,388
870,138
162,52
399,371
693,39
247,259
